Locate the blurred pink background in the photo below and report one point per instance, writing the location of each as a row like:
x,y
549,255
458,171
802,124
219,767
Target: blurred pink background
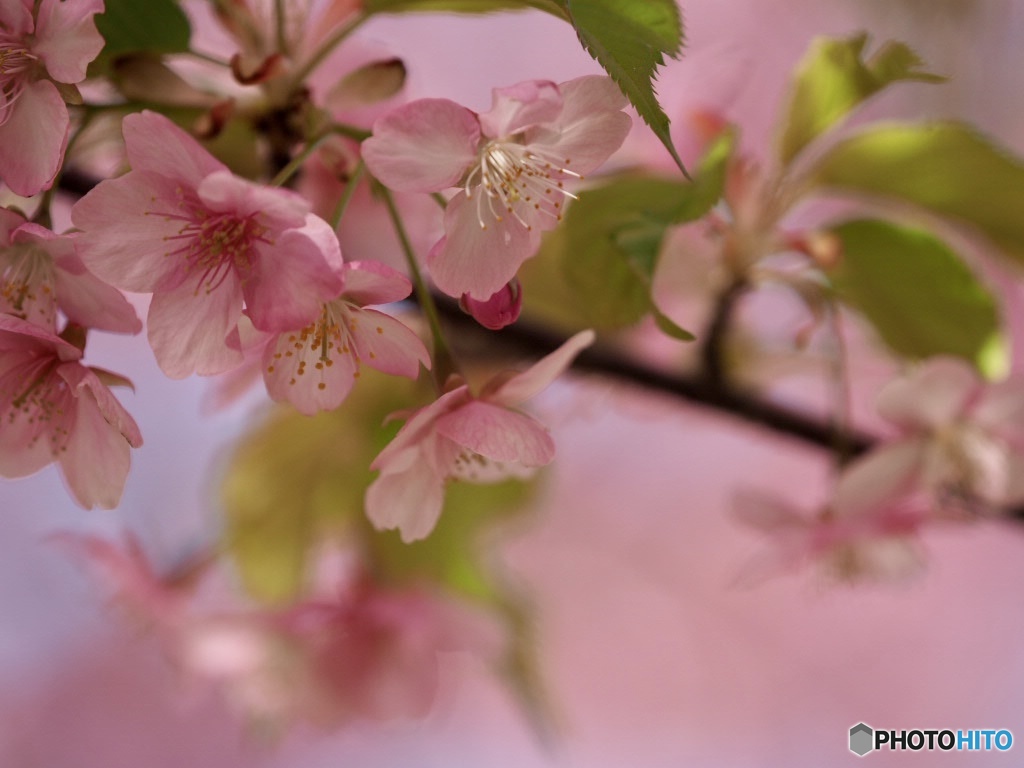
x,y
653,658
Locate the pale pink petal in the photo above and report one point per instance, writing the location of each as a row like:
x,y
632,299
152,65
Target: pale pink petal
x,y
96,458
17,335
767,513
33,139
87,300
16,17
387,344
292,278
1000,410
66,37
407,496
498,434
156,144
934,394
127,229
590,128
880,477
418,428
520,106
24,446
275,208
372,282
192,331
316,388
424,146
478,260
521,387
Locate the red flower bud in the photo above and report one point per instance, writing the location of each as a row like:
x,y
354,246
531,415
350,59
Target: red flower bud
x,y
498,311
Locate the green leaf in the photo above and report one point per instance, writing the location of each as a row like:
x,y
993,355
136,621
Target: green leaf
x,y
553,7
948,169
630,39
833,78
295,477
155,26
612,237
918,294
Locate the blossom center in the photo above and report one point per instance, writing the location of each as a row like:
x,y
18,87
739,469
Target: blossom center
x,y
42,403
15,63
26,276
518,181
317,345
216,245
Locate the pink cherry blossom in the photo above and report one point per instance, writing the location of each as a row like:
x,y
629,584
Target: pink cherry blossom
x,y
511,164
462,436
41,44
53,408
501,309
861,536
204,242
315,368
40,272
962,439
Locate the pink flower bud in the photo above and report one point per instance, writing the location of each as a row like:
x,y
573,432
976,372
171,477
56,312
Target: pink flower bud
x,y
498,311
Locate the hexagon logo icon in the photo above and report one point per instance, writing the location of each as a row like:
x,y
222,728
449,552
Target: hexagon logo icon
x,y
861,739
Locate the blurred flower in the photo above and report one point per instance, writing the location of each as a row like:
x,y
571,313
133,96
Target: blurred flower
x,y
498,311
45,47
511,162
53,408
859,537
315,368
962,439
477,438
203,241
40,272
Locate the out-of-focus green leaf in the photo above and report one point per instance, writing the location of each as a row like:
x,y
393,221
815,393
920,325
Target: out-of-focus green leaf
x,y
612,236
154,27
918,294
553,7
630,39
833,78
946,168
295,476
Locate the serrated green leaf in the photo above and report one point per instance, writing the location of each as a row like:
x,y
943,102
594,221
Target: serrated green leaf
x,y
948,169
917,293
613,234
553,7
630,40
833,78
155,26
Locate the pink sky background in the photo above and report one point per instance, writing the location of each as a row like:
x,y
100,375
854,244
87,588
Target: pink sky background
x,y
653,658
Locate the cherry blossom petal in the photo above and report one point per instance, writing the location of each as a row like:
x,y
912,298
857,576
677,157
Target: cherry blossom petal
x,y
92,303
478,260
156,144
408,496
934,394
291,279
590,127
520,106
96,458
424,146
135,259
33,138
498,434
191,330
523,386
66,37
1000,410
384,343
767,513
316,388
16,17
879,477
24,449
224,192
419,427
372,282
